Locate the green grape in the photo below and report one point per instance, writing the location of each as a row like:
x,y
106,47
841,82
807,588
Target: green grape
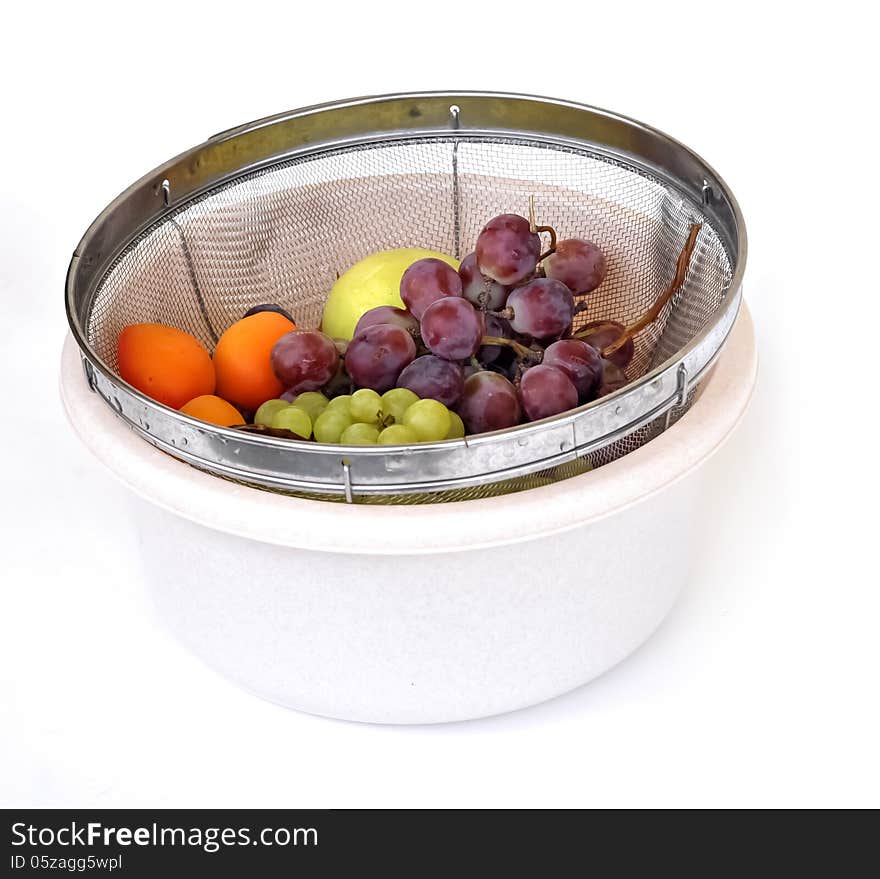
x,y
396,401
342,403
267,411
312,402
397,435
456,429
429,420
366,406
295,419
330,425
359,434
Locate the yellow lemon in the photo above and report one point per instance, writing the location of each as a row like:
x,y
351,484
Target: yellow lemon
x,y
372,282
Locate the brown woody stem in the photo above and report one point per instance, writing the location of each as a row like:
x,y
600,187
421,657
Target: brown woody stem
x,y
520,349
552,249
585,333
681,268
534,228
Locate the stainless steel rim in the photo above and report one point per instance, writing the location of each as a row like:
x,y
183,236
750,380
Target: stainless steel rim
x,y
478,460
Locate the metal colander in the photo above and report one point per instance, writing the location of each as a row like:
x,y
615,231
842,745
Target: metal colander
x,y
274,211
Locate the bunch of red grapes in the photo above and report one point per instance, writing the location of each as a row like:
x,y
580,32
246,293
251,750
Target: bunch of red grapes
x,y
492,341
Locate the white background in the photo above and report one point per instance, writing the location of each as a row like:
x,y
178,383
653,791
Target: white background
x,y
760,689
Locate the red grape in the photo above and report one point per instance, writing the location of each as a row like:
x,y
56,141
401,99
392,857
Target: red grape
x,y
479,290
507,250
545,391
543,308
579,264
426,281
602,333
452,328
377,355
388,314
488,402
579,361
433,377
304,360
613,379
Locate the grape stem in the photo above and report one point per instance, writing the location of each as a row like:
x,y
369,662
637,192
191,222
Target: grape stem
x,y
505,313
552,249
534,228
585,333
520,349
681,269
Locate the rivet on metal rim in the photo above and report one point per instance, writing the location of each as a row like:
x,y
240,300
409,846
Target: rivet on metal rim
x,y
455,116
683,384
707,192
166,192
90,375
346,478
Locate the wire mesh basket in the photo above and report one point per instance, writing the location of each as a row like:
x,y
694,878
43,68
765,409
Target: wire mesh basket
x,y
277,209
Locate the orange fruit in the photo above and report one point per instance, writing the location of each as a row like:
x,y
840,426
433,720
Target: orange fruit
x,y
213,409
167,364
242,359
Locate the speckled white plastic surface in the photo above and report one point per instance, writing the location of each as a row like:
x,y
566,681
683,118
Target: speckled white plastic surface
x,y
420,614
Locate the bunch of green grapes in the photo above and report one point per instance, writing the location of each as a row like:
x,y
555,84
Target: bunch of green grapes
x,y
364,418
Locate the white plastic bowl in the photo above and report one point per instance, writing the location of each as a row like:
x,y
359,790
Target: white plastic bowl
x,y
441,612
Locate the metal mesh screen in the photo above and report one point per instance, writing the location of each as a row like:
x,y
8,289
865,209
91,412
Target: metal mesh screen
x,y
285,233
